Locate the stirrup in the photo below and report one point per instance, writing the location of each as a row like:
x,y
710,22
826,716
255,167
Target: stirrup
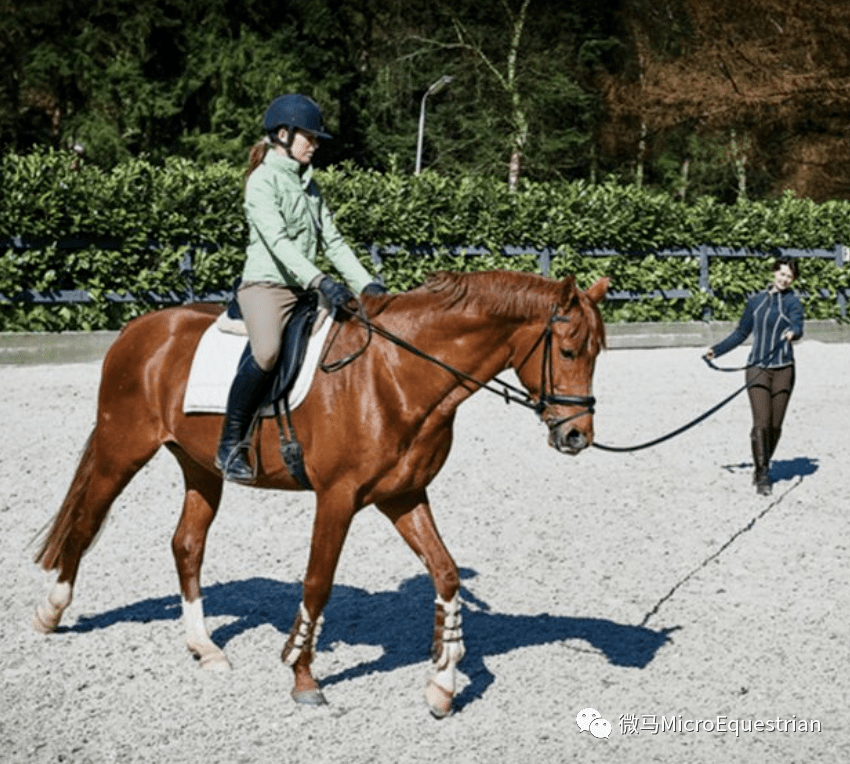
x,y
228,469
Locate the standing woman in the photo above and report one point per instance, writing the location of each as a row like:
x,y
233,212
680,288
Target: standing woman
x,y
775,319
289,224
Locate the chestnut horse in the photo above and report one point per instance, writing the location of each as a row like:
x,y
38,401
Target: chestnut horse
x,y
374,431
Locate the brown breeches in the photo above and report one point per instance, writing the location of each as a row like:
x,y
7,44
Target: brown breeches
x,y
769,391
266,308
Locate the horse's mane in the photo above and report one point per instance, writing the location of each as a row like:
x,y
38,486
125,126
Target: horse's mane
x,y
514,296
503,294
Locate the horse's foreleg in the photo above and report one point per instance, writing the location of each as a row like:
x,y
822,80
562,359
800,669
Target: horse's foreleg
x,y
333,518
411,516
203,494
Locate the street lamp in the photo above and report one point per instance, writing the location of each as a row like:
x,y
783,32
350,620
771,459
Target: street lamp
x,y
435,88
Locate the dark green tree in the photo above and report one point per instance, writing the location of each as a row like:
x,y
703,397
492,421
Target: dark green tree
x,y
522,95
165,77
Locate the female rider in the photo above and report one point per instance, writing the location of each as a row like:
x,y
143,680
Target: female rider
x,y
775,319
288,222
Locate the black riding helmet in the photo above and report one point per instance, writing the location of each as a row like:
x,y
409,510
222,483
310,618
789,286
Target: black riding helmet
x,y
295,111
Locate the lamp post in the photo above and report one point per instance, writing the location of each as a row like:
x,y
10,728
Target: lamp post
x,y
434,88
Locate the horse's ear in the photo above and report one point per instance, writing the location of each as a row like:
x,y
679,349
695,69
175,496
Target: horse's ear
x,y
598,291
568,291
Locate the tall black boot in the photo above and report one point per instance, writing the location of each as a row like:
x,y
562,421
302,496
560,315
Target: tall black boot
x,y
775,432
246,393
760,439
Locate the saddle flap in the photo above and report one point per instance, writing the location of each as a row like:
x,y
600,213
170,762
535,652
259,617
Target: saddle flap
x,y
296,335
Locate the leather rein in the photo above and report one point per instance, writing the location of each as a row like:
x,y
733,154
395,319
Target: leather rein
x,y
702,417
512,394
508,392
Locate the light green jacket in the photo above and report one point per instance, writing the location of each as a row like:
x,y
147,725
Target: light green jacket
x,y
288,222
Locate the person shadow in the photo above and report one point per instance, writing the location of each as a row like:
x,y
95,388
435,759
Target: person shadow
x,y
782,469
400,623
788,469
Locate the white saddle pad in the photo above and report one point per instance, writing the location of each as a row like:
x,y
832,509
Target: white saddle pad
x,y
215,362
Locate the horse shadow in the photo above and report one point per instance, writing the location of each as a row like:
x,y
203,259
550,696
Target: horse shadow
x,y
783,469
398,622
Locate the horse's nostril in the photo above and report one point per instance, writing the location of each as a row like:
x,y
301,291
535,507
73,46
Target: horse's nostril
x,y
570,442
575,439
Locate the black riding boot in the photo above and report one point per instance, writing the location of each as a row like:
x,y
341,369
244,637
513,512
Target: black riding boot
x,y
246,393
775,432
760,439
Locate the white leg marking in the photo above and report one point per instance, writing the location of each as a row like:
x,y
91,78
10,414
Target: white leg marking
x,y
198,640
49,613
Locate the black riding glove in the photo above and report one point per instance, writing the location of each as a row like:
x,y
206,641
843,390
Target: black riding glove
x,y
374,289
335,293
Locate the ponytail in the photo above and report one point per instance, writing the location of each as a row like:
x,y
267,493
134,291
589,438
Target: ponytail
x,y
259,150
256,156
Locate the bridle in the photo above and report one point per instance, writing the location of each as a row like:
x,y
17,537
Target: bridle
x,y
547,399
509,393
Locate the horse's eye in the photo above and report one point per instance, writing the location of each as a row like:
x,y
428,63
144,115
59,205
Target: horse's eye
x,y
567,354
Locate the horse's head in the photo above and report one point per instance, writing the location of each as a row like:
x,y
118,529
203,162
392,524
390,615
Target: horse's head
x,y
555,362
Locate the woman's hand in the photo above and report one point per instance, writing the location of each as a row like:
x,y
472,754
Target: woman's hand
x,y
788,336
337,295
374,289
709,354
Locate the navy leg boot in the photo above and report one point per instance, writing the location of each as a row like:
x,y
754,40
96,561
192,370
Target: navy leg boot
x,y
246,394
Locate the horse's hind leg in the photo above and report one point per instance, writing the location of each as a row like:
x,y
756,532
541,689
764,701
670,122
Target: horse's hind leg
x,y
203,494
412,518
102,473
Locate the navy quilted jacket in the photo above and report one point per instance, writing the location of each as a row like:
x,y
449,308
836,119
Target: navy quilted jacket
x,y
767,316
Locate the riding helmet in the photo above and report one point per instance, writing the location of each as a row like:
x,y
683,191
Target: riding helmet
x,y
295,111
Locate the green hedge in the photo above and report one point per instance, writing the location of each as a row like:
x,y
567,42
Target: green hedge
x,y
155,213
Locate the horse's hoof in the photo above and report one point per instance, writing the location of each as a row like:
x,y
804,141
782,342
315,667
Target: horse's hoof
x,y
209,656
44,623
309,697
215,662
439,700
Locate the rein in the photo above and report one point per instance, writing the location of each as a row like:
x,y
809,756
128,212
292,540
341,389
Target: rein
x,y
512,394
508,392
703,416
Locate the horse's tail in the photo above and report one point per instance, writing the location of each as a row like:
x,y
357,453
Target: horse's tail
x,y
53,544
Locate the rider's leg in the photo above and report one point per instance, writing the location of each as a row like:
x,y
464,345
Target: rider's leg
x,y
246,393
266,307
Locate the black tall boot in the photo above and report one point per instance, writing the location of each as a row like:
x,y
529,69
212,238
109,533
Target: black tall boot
x,y
760,439
246,393
775,432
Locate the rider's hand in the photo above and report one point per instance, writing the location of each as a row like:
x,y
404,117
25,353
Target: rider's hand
x,y
374,289
335,293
